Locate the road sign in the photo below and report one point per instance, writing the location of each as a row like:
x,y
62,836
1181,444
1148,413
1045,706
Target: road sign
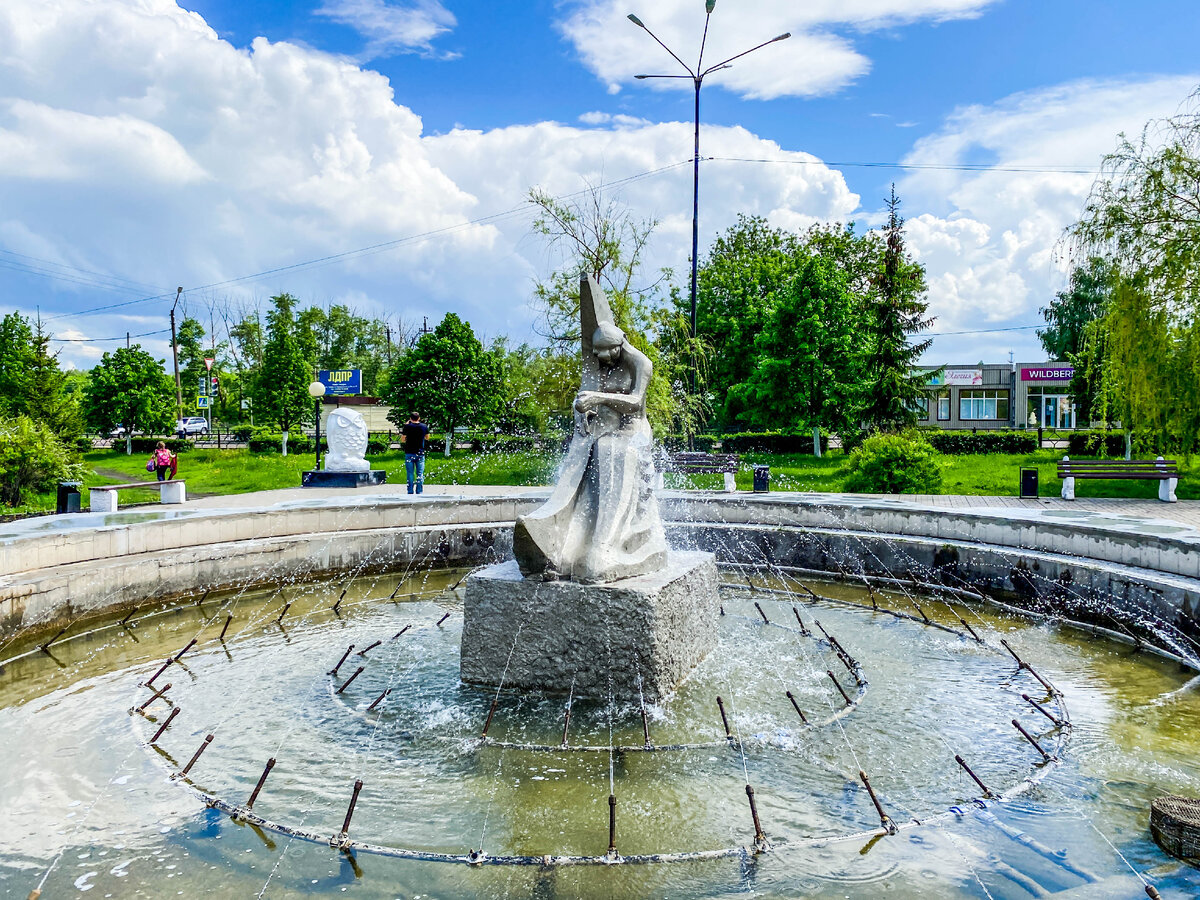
x,y
201,402
203,386
208,361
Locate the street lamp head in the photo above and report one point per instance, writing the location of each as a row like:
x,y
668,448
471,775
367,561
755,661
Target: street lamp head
x,y
316,389
709,6
781,37
636,21
641,76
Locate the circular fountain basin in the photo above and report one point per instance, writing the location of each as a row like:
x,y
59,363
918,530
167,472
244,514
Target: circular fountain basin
x,y
90,802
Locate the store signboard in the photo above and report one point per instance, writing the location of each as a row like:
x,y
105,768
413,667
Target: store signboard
x,y
960,377
1048,373
341,382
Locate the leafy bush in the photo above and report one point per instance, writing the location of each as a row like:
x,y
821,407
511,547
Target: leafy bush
x,y
771,442
894,464
148,444
242,432
507,443
1096,443
32,458
380,443
982,441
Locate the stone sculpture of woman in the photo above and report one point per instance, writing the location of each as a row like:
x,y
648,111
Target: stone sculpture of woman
x,y
601,522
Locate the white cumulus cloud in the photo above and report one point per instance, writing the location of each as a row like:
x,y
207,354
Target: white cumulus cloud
x,y
392,28
817,59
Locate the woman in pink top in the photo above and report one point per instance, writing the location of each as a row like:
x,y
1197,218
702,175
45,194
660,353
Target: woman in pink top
x,y
162,461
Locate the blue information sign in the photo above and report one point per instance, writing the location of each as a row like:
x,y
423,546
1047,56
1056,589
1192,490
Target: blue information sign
x,y
341,382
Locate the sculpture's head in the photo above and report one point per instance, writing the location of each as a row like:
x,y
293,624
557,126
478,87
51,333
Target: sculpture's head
x,y
607,342
347,433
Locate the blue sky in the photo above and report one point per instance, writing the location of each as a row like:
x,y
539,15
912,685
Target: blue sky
x,y
144,145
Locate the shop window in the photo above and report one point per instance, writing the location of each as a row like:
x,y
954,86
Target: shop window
x,y
975,405
943,406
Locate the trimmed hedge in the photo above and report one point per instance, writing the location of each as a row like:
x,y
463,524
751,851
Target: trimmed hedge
x,y
704,443
1096,443
771,442
149,444
967,442
894,464
507,443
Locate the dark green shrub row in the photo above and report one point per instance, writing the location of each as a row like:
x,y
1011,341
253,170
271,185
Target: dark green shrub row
x,y
1096,443
771,442
504,443
982,441
148,444
704,443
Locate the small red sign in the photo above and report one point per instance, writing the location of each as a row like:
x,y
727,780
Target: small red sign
x,y
208,363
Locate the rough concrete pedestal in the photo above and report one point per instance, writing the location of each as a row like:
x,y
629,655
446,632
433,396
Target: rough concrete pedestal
x,y
601,635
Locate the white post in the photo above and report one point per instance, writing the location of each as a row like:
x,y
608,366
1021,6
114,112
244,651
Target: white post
x,y
104,501
285,436
730,483
1166,486
1068,488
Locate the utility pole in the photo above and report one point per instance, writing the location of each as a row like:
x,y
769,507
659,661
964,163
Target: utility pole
x,y
175,357
127,340
387,330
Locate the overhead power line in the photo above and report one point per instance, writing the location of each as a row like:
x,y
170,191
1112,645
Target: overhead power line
x,y
123,337
936,167
982,330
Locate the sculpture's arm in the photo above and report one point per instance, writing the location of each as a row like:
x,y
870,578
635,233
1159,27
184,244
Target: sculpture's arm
x,y
631,404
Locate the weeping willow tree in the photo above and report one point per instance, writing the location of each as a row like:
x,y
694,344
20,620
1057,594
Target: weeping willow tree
x,y
1143,353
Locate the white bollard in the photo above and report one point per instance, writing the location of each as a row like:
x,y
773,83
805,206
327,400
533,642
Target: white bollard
x,y
730,483
171,492
104,501
1068,488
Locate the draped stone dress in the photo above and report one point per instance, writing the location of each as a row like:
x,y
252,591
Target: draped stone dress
x,y
601,522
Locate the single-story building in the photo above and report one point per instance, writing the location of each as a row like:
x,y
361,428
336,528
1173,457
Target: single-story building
x,y
1000,395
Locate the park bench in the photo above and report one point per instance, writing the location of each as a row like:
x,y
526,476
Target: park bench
x,y
104,497
686,463
1164,471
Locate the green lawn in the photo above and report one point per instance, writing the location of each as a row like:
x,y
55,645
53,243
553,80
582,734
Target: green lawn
x,y
216,472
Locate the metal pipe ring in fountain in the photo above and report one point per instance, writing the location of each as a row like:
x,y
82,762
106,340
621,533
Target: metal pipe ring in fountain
x,y
334,681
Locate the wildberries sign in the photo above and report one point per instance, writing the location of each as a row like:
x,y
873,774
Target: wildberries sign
x,y
1051,373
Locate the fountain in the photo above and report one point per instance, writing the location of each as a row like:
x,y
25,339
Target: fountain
x,y
276,701
594,602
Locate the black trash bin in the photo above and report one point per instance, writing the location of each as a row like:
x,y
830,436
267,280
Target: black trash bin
x,y
762,479
1029,484
68,497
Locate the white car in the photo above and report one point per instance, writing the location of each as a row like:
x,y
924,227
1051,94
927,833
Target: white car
x,y
190,425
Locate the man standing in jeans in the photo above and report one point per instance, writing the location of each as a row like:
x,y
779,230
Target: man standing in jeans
x,y
415,431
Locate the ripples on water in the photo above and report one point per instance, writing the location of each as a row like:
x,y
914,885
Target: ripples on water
x,y
77,782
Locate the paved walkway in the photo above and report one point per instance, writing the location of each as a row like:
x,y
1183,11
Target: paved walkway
x,y
1185,512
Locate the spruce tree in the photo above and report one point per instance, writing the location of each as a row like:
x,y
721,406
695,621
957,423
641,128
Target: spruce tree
x,y
893,387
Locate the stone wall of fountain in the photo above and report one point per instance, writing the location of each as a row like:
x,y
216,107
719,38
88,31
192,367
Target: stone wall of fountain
x,y
1038,561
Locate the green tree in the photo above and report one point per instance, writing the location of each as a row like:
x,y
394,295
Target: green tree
x,y
1071,311
281,395
342,339
597,235
747,270
129,388
16,358
807,355
449,378
49,397
893,388
33,458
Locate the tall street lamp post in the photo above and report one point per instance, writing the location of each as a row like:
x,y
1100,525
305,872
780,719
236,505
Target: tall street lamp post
x,y
697,76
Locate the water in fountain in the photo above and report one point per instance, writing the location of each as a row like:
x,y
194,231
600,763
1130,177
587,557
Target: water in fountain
x,y
84,790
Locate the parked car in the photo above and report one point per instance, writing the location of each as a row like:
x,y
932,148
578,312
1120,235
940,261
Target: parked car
x,y
190,425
